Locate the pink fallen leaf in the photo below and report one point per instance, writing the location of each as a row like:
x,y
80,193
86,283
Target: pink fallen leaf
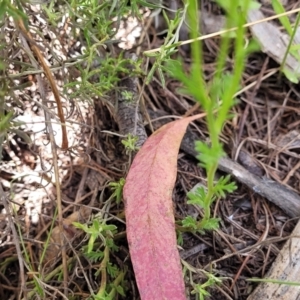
x,y
149,214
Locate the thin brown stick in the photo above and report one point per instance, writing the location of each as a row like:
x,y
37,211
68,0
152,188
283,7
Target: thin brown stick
x,y
49,76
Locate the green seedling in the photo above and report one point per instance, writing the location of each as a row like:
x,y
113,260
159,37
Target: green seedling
x,y
169,47
98,229
216,99
130,143
117,188
291,48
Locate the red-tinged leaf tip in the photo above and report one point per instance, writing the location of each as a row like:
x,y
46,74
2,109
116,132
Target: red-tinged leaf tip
x,y
149,214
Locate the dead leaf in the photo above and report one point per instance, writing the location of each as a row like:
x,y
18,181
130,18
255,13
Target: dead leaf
x,y
149,214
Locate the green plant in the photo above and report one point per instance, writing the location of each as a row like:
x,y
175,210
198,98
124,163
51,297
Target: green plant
x,y
7,124
95,251
201,289
117,188
216,98
275,281
15,11
291,48
98,229
130,143
96,26
169,47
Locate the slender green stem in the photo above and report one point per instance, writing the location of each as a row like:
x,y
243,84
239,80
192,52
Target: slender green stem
x,y
290,42
103,266
210,190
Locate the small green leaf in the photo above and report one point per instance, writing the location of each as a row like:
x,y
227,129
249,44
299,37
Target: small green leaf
x,y
291,76
179,238
3,6
117,188
83,227
91,243
284,20
120,290
197,197
109,228
148,4
224,186
94,256
210,224
96,225
5,122
208,157
152,54
150,74
166,18
189,221
252,47
161,76
130,143
26,138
